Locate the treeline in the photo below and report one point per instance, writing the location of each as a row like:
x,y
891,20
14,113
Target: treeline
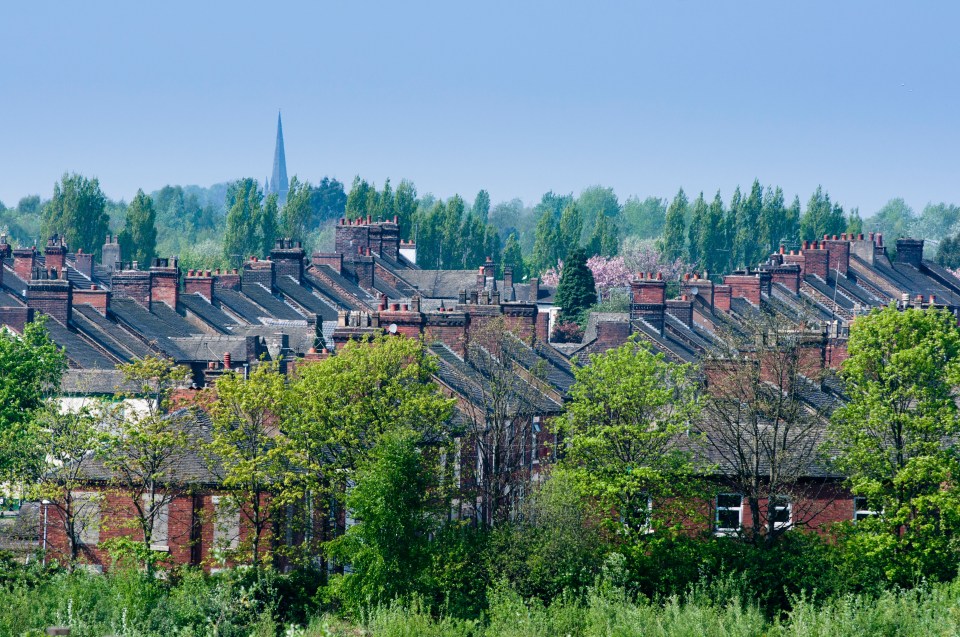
x,y
707,233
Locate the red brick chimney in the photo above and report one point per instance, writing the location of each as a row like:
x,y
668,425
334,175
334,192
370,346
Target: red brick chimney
x,y
199,282
93,296
50,295
681,309
839,253
648,294
816,259
24,260
721,297
55,254
226,280
744,286
288,256
447,326
787,275
694,285
165,282
127,282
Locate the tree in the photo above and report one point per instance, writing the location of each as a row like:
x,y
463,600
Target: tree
x,y
821,217
394,502
594,202
604,241
646,218
481,206
698,220
297,217
498,428
404,206
895,219
513,257
775,225
359,198
854,222
144,448
67,440
266,225
545,243
77,211
247,450
894,438
625,427
571,227
747,247
576,291
759,426
936,220
673,236
948,252
31,366
347,402
328,200
138,239
244,201
713,247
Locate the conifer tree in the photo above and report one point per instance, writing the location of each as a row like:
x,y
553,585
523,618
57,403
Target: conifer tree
x,y
138,239
577,290
730,231
672,245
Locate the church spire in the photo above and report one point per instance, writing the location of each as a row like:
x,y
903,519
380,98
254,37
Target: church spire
x,y
279,183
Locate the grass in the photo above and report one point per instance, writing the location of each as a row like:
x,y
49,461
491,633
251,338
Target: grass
x,y
129,605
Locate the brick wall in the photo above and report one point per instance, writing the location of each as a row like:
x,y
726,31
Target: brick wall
x,y
131,284
816,259
839,253
521,319
24,260
744,286
199,282
332,259
83,262
350,236
449,327
52,297
648,295
682,310
390,240
94,297
257,271
226,280
787,276
721,297
288,258
165,282
55,255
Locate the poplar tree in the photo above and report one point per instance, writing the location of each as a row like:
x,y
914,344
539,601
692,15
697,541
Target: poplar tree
x,y
297,211
513,257
77,211
713,245
697,221
138,239
244,201
266,225
730,226
672,245
747,242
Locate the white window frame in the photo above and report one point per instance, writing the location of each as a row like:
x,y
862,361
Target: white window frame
x,y
775,508
862,512
717,529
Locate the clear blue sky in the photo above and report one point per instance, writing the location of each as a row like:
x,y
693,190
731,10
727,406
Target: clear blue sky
x,y
516,97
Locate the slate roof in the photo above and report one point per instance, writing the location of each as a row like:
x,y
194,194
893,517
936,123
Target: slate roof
x,y
209,313
239,305
275,308
302,296
79,351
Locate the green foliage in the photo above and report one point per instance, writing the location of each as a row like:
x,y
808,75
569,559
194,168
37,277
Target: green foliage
x,y
821,217
577,290
245,204
891,438
138,239
77,211
596,202
394,501
627,412
645,219
513,257
894,219
31,366
297,216
673,247
345,403
604,241
712,242
948,252
266,225
698,221
245,451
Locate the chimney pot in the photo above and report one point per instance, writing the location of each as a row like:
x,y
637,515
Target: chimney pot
x,y
227,360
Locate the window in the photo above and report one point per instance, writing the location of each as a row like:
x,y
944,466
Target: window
x,y
861,510
729,513
781,510
86,516
226,523
159,536
534,443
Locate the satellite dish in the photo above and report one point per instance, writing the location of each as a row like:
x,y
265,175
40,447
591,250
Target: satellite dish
x,y
694,291
393,328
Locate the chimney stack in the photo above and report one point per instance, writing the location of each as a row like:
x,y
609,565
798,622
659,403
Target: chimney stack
x,y
648,295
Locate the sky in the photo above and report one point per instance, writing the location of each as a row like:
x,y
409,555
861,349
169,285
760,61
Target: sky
x,y
515,97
